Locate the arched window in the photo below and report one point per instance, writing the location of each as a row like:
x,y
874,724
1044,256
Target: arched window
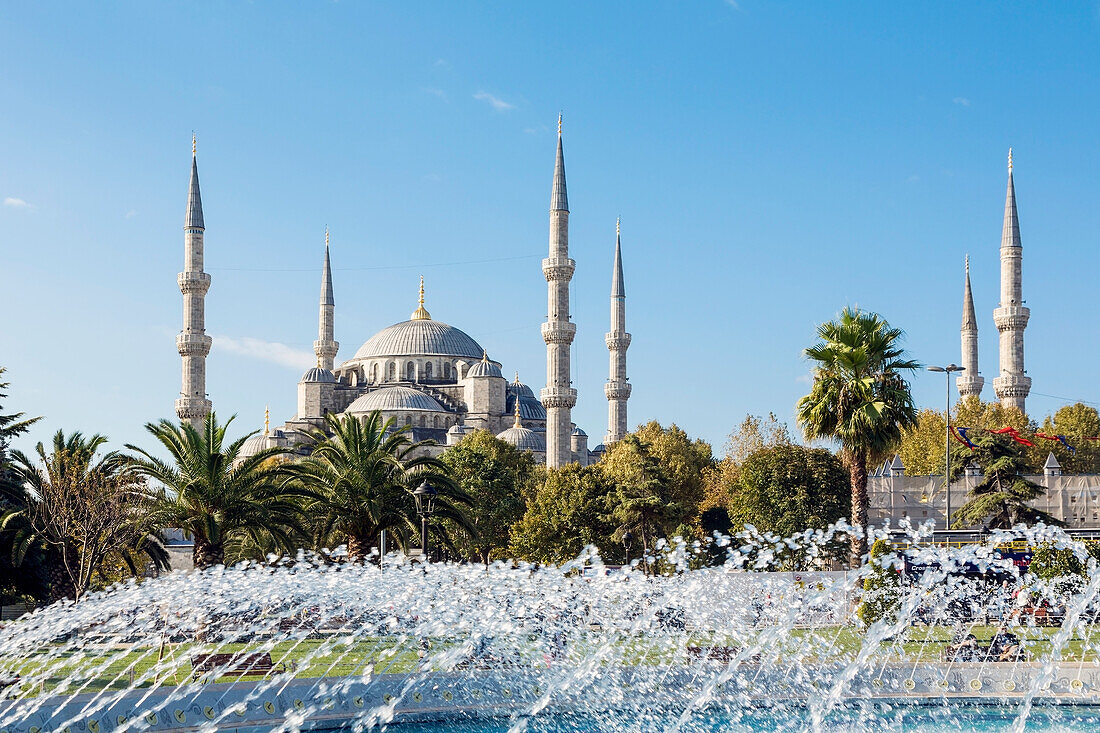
x,y
423,421
428,371
410,372
435,421
392,376
374,372
408,420
446,370
353,379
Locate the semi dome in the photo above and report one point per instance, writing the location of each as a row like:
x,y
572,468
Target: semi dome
x,y
317,374
523,438
389,399
420,337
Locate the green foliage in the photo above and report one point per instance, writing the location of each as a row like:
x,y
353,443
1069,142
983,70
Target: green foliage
x,y
497,477
1061,567
1001,497
361,478
860,398
565,513
786,489
1077,422
882,588
207,490
26,578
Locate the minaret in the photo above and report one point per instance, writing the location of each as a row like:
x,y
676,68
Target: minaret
x,y
193,343
1012,386
558,397
970,382
617,388
326,345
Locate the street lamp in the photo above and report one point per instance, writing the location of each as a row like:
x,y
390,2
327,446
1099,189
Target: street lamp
x,y
628,537
948,371
424,496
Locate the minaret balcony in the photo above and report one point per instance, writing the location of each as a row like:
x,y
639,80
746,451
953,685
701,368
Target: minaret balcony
x,y
1011,317
559,332
558,268
193,344
193,282
1012,385
617,390
617,341
326,348
558,397
191,408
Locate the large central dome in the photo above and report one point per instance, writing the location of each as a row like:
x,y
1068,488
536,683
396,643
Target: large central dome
x,y
420,336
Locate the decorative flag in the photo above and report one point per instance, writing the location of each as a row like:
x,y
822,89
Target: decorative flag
x,y
962,437
1014,434
1060,438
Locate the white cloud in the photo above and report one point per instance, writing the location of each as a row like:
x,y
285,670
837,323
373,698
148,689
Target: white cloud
x,y
733,4
435,92
16,203
271,351
493,101
962,101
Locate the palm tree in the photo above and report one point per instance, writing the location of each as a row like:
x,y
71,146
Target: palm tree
x,y
363,472
82,511
208,490
860,398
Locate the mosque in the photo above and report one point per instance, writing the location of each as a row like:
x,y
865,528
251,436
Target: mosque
x,y
423,373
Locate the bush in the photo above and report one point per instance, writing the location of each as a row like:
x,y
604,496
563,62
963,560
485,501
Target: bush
x,y
881,589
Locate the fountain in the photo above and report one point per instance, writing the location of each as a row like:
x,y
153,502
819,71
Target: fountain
x,y
308,644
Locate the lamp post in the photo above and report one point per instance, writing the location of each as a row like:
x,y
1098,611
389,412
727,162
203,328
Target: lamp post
x,y
425,504
947,371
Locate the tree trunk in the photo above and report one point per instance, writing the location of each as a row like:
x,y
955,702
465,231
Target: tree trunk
x,y
358,547
207,554
61,584
857,469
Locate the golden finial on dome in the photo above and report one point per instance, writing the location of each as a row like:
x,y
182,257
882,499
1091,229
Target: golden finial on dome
x,y
519,422
194,143
484,356
421,314
267,420
517,377
1010,160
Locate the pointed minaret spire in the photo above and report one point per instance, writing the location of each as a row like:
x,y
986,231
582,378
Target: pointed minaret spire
x,y
267,420
192,343
970,382
1012,385
558,397
326,346
617,388
519,422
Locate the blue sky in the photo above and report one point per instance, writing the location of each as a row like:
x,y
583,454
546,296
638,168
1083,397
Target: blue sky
x,y
772,163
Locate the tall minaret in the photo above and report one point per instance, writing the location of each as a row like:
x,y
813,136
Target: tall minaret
x,y
617,388
558,397
970,382
193,343
326,345
1012,386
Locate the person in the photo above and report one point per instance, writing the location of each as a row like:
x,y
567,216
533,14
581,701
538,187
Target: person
x,y
1004,646
964,645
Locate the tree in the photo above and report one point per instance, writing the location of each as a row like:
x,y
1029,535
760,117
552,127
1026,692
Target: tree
x,y
497,477
566,512
643,502
860,398
755,433
683,463
786,489
922,445
1002,497
213,494
361,478
83,509
28,577
1078,422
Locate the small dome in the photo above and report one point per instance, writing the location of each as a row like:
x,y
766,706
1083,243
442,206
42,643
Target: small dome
x,y
601,448
524,439
252,446
484,368
317,374
388,399
518,388
578,431
529,407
